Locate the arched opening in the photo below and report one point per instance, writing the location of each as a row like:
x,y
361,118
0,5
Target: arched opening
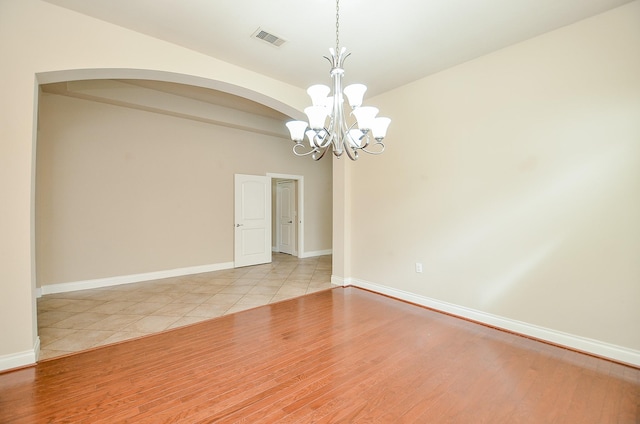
x,y
134,175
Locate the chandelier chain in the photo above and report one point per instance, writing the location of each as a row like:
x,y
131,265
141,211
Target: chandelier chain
x,y
337,25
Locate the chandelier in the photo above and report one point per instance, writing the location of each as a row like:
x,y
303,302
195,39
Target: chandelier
x,y
365,133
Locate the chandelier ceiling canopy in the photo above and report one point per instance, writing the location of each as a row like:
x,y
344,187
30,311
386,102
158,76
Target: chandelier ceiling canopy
x,y
328,126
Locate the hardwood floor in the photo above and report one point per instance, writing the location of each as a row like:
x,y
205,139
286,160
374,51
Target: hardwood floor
x,y
340,355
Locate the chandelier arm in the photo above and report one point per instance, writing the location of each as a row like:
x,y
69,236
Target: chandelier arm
x,y
366,142
324,141
343,57
321,154
364,135
295,151
338,122
351,153
375,153
314,141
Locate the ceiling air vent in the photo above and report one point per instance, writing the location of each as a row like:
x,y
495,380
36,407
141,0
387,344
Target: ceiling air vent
x,y
267,37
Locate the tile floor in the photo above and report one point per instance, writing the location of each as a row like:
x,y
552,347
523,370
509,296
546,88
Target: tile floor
x,y
74,321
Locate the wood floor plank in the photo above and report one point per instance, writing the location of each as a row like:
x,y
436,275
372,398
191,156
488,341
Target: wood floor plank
x,y
342,355
337,355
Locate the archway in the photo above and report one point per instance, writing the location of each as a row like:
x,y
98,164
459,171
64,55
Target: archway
x,y
127,75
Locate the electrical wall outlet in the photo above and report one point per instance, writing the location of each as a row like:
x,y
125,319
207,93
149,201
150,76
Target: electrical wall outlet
x,y
418,267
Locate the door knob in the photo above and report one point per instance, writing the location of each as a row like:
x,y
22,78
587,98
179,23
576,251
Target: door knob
x,y
290,222
238,225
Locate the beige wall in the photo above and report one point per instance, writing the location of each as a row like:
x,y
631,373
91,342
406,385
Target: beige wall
x,y
42,42
515,179
122,191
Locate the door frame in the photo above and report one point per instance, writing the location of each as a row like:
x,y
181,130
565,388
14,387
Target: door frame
x,y
277,184
300,206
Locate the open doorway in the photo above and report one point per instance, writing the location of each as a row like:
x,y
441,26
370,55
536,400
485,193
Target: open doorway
x,y
287,192
286,221
183,183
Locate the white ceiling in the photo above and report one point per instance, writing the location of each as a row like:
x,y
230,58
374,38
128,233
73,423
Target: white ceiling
x,y
392,42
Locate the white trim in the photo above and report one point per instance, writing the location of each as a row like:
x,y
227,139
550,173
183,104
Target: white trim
x,y
274,249
126,279
339,281
583,344
277,219
36,348
21,359
316,253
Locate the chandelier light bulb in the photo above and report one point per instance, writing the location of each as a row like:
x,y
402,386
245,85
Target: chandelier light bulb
x,y
311,134
379,128
318,94
296,128
355,94
365,116
317,116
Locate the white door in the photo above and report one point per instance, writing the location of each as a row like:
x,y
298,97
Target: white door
x,y
286,222
252,220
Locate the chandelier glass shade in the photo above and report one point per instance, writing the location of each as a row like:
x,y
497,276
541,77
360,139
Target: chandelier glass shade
x,y
328,127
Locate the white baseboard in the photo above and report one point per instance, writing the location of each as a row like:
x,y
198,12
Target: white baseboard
x,y
340,281
583,344
126,279
275,249
21,359
316,253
